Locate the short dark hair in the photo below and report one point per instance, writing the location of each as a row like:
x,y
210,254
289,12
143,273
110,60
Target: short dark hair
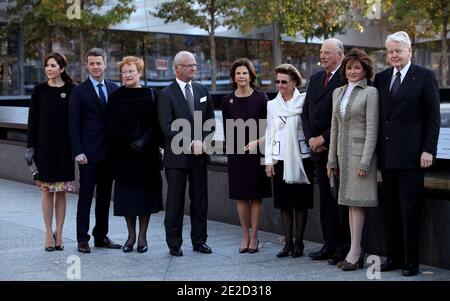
x,y
291,71
251,70
96,52
358,55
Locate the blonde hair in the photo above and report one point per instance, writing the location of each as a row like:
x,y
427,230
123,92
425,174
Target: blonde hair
x,y
128,60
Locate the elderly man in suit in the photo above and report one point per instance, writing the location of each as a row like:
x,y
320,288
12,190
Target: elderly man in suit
x,y
407,143
316,118
87,130
184,100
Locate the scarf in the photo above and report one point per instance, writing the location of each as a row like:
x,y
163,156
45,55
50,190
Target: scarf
x,y
294,171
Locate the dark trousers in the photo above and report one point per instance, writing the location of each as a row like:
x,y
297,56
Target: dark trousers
x,y
92,175
333,217
198,195
403,198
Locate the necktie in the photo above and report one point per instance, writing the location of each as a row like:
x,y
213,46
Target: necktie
x,y
101,94
189,98
395,84
327,79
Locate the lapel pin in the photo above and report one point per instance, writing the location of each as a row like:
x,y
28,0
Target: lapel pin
x,y
231,100
63,95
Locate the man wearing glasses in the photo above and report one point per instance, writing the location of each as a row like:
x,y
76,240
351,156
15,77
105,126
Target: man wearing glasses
x,y
184,100
407,142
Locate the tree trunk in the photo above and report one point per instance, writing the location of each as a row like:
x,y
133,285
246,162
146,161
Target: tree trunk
x,y
144,52
82,59
276,47
444,55
212,44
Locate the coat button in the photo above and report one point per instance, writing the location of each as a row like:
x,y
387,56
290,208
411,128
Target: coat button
x,y
387,138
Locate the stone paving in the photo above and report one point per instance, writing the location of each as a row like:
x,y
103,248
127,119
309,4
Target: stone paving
x,y
22,255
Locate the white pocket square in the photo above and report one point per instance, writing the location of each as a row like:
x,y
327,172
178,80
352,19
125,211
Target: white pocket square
x,y
203,99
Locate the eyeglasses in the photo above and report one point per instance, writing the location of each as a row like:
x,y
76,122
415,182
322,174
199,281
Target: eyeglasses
x,y
129,72
188,66
283,82
396,51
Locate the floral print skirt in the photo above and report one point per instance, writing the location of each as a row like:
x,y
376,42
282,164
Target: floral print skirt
x,y
56,186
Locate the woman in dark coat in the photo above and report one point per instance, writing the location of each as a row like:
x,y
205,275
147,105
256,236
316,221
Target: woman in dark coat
x,y
247,181
48,145
134,138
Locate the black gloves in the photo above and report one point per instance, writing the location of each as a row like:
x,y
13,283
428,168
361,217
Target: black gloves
x,y
137,146
29,154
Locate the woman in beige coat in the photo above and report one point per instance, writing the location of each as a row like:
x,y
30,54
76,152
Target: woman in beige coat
x,y
354,130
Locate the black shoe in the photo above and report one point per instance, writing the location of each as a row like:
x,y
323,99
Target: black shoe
x,y
203,248
49,249
244,250
83,247
323,254
142,249
176,252
287,249
255,250
57,248
106,243
336,258
390,265
298,249
410,270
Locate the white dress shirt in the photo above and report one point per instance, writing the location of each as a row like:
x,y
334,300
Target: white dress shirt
x,y
346,96
182,85
402,73
95,83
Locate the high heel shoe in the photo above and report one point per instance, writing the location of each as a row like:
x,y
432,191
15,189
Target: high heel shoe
x,y
51,248
142,248
347,266
287,249
251,250
243,250
298,249
127,247
57,248
341,263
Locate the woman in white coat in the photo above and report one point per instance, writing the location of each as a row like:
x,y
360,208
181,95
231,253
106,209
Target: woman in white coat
x,y
287,158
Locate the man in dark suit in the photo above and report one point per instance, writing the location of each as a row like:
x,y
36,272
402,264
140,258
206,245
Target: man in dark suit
x,y
407,143
87,130
186,161
316,118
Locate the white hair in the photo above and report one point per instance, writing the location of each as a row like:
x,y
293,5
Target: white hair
x,y
178,57
401,37
339,45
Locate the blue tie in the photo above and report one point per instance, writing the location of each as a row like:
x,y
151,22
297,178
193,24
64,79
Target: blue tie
x,y
396,84
101,94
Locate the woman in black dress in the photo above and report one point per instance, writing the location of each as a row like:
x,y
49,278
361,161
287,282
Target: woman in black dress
x,y
288,158
247,181
134,138
49,147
